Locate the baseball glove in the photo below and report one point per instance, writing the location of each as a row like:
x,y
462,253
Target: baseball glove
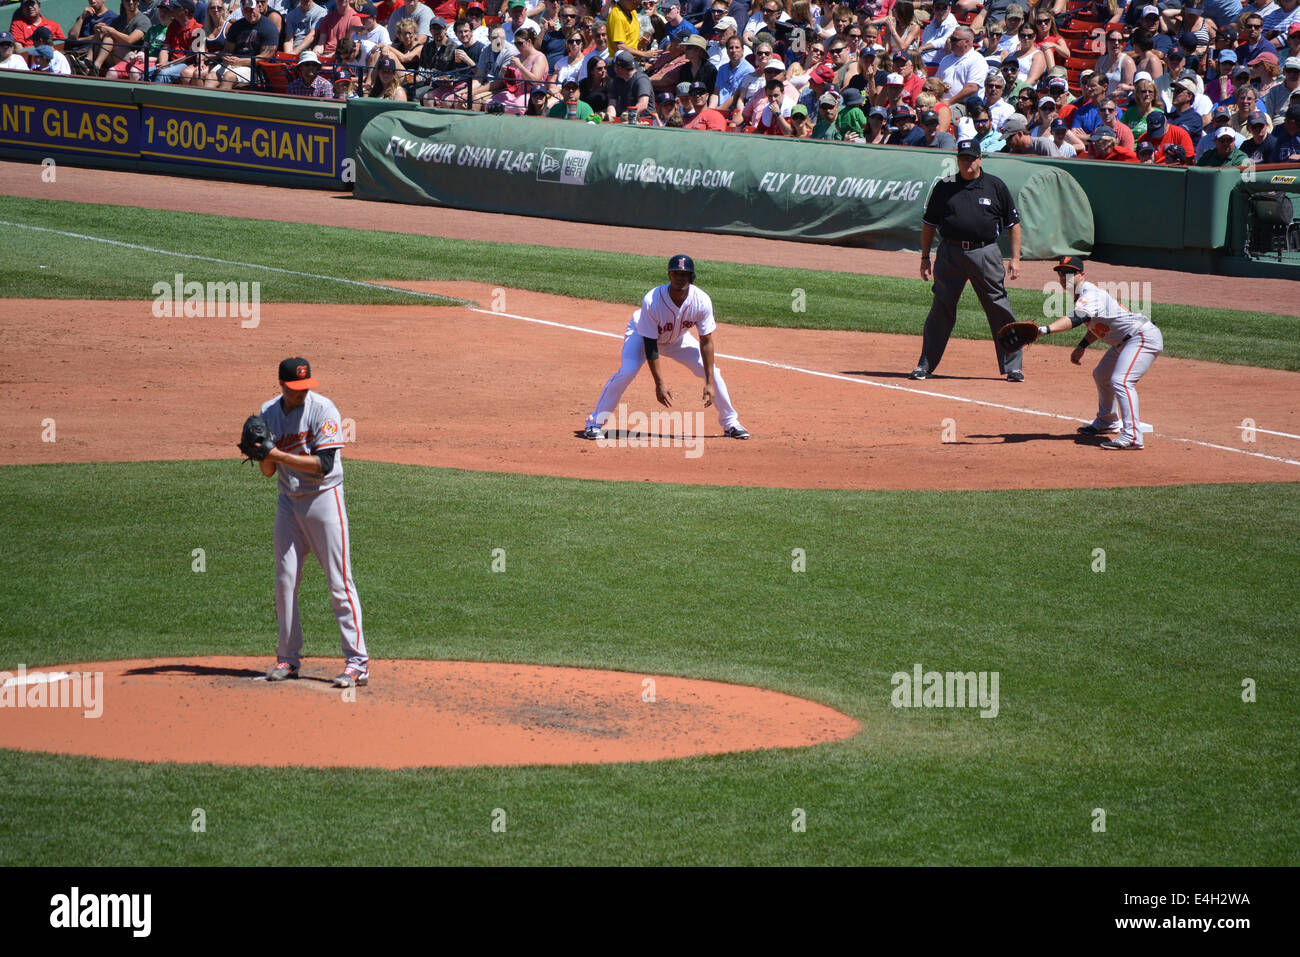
x,y
1016,335
255,442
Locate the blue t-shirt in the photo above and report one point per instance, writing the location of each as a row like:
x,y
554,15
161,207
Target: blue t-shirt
x,y
916,137
1087,118
729,81
1285,146
682,31
1189,120
1222,12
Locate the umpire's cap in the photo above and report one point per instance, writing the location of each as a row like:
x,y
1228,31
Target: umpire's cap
x,y
682,263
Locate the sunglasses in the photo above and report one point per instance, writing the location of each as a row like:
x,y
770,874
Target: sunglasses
x,y
1041,22
1023,97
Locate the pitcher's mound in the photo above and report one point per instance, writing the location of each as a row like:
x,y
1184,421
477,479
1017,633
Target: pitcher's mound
x,y
222,710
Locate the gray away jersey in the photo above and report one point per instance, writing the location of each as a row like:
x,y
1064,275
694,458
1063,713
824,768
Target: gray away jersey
x,y
1106,319
311,428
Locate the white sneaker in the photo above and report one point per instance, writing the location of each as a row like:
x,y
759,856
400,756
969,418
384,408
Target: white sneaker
x,y
593,432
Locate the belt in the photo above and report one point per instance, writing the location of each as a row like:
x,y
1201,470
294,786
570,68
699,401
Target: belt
x,y
963,244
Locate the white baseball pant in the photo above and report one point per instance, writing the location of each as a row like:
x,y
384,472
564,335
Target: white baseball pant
x,y
1117,375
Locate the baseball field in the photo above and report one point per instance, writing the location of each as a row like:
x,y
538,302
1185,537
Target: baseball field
x,y
1132,616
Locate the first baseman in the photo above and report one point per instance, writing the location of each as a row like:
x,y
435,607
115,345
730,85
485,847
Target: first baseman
x,y
310,517
1134,342
663,324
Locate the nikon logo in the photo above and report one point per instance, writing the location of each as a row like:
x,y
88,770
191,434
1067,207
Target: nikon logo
x,y
568,167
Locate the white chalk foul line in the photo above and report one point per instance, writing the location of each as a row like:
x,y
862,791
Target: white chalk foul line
x,y
857,380
1285,435
615,335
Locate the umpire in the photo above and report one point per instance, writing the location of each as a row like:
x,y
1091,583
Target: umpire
x,y
969,212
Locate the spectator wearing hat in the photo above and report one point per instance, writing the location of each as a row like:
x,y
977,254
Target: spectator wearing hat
x,y
933,137
630,88
301,26
851,121
440,59
535,104
1144,102
1160,133
1259,146
969,212
1265,71
570,106
46,59
891,95
9,60
1276,99
307,80
826,128
1146,153
1103,144
706,117
345,84
474,13
905,131
371,35
1220,88
1239,77
386,83
773,71
1021,141
1286,146
1181,112
725,29
517,19
1059,130
692,66
1224,152
876,132
934,38
176,52
28,20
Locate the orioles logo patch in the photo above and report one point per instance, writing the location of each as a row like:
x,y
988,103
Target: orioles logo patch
x,y
1100,328
329,428
301,372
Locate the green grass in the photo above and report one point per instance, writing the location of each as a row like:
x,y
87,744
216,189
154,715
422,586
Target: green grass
x,y
45,265
1119,690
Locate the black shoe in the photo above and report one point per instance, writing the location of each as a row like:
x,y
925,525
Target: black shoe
x,y
919,373
1015,377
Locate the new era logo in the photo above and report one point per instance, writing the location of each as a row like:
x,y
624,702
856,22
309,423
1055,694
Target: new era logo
x,y
567,167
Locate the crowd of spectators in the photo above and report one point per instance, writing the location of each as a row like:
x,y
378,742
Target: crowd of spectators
x,y
1173,82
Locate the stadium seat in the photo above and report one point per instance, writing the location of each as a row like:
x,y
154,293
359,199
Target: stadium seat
x,y
274,72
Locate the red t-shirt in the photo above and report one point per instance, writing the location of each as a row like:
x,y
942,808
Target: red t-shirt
x,y
443,8
384,10
708,119
180,37
335,27
22,30
1173,134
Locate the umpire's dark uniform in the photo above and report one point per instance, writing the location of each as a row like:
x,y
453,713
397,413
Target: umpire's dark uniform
x,y
969,215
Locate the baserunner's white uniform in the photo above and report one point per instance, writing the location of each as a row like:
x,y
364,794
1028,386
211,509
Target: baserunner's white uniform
x,y
1134,342
310,517
660,318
